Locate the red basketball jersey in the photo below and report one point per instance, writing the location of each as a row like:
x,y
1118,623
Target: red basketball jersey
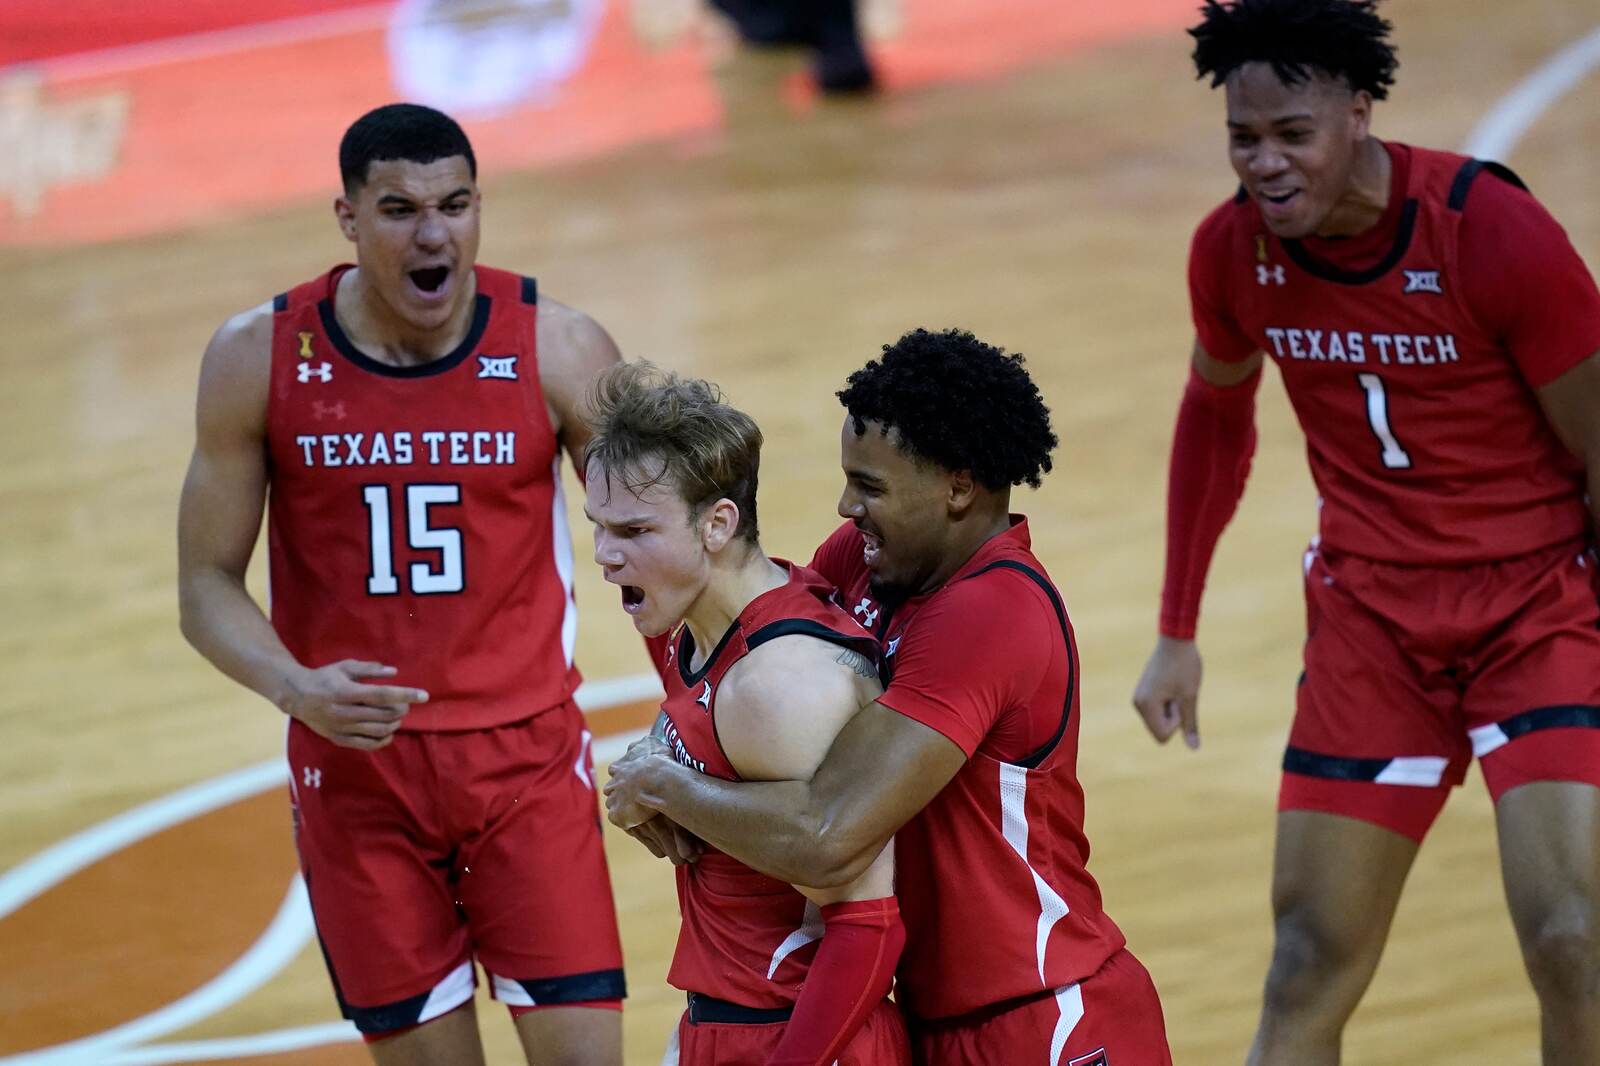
x,y
416,514
1425,438
745,937
992,875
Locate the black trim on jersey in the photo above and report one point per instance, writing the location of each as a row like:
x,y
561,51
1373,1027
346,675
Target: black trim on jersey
x,y
1328,272
469,343
1469,173
576,988
1038,755
280,303
709,1010
1241,196
1560,716
866,643
691,678
1311,764
530,291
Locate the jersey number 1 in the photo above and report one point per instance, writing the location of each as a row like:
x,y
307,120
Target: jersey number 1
x,y
1394,456
450,576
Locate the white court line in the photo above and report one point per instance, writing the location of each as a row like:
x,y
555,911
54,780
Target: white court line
x,y
1497,134
236,1047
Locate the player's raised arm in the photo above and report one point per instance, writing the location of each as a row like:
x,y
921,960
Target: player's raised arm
x,y
1212,447
219,517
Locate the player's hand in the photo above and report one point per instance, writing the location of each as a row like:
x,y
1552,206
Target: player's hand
x,y
628,780
667,839
1168,692
338,703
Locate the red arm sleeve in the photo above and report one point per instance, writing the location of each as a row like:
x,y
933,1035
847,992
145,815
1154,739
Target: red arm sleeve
x,y
1523,280
850,975
1211,451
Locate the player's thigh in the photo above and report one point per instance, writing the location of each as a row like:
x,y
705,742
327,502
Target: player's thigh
x,y
450,1040
374,870
1550,856
1377,732
1335,883
535,884
572,1036
1533,703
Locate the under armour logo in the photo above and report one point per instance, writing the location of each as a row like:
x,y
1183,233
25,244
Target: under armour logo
x,y
322,410
704,699
867,612
497,367
1422,281
322,372
894,645
312,777
1270,274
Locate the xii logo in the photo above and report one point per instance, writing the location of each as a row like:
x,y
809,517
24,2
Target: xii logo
x,y
1422,281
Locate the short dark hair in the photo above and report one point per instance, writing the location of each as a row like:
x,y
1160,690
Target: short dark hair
x,y
1341,38
958,403
410,132
653,427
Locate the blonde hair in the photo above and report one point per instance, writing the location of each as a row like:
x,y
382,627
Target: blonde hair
x,y
652,427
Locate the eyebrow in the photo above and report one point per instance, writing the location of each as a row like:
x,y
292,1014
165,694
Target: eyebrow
x,y
632,520
1284,121
396,198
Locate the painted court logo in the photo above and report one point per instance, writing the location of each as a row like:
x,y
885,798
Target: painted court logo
x,y
1422,281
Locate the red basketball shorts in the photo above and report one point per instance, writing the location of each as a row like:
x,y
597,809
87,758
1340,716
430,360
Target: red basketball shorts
x,y
1411,671
715,1033
1112,1018
445,847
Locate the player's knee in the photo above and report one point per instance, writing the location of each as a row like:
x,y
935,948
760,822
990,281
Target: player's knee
x,y
1309,958
1562,951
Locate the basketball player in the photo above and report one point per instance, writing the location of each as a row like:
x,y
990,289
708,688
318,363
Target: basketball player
x,y
969,757
760,676
403,419
1440,342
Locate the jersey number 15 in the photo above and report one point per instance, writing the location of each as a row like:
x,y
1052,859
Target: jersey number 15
x,y
449,575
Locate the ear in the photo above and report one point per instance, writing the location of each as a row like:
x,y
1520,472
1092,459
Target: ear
x,y
720,525
345,212
962,492
1360,115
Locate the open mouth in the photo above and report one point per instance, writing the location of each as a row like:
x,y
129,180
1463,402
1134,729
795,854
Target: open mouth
x,y
430,279
1280,199
871,548
632,598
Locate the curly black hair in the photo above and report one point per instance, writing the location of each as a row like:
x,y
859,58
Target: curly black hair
x,y
959,403
1342,38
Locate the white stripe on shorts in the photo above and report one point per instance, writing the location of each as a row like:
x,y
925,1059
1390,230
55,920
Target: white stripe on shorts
x,y
1070,1000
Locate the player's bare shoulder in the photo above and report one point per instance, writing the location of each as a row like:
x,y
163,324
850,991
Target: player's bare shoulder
x,y
782,704
573,349
236,371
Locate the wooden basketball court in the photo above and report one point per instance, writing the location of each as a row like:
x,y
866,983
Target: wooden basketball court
x,y
771,248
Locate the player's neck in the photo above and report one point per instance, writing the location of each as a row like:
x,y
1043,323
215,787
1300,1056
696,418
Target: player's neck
x,y
378,332
725,597
1366,196
987,520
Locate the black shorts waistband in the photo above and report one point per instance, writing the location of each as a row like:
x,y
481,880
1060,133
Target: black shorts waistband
x,y
710,1009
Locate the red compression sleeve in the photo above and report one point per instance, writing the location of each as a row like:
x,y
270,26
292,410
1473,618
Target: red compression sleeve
x,y
861,943
1211,452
